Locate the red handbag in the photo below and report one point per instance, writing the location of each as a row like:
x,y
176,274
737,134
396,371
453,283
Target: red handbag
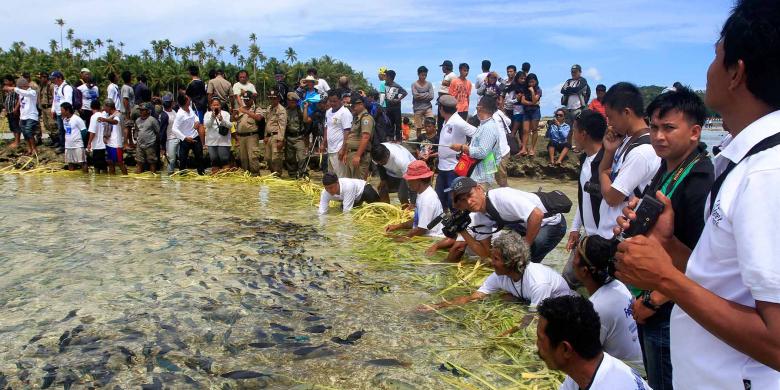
x,y
465,165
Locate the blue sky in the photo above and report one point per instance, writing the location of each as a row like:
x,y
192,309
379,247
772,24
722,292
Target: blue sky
x,y
642,41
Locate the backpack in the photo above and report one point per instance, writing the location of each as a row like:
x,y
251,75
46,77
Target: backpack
x,y
556,202
643,139
383,128
77,99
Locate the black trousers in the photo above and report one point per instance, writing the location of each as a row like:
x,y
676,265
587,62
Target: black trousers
x,y
394,114
197,150
369,196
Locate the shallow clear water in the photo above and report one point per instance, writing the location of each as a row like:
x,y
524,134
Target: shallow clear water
x,y
122,282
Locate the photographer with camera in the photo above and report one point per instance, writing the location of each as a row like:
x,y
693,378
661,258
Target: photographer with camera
x,y
685,177
218,136
726,318
514,274
522,211
427,208
593,266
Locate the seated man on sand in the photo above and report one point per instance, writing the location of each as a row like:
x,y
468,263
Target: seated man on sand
x,y
351,192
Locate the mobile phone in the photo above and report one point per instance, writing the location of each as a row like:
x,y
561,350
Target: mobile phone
x,y
647,212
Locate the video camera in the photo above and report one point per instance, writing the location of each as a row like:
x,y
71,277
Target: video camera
x,y
453,222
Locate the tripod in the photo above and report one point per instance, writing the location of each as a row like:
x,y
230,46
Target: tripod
x,y
314,146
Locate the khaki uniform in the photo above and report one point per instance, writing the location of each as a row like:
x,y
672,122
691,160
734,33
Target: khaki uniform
x,y
45,99
248,141
362,123
275,126
294,145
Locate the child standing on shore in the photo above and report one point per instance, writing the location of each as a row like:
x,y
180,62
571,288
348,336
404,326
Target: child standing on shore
x,y
74,144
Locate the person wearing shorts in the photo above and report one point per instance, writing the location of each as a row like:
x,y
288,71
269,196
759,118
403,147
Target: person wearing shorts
x,y
95,143
148,132
113,137
27,117
74,144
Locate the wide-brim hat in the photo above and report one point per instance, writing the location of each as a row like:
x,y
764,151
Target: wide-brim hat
x,y
310,78
418,169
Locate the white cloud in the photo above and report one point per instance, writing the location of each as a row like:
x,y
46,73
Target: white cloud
x,y
572,42
592,74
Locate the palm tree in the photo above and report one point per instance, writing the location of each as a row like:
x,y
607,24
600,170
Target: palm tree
x,y
220,50
212,44
98,44
69,37
253,37
121,47
146,55
53,46
110,42
60,22
234,51
291,55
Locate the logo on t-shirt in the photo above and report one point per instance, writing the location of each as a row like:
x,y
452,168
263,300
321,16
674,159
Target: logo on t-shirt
x,y
67,127
716,214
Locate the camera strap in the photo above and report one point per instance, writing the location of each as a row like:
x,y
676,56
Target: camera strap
x,y
674,178
766,143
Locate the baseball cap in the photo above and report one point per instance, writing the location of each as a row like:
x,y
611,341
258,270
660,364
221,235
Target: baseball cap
x,y
167,98
447,101
293,96
56,74
460,186
146,106
85,70
355,98
418,169
273,94
576,66
447,63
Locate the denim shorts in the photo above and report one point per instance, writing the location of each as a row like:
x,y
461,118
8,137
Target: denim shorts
x,y
27,127
517,117
533,114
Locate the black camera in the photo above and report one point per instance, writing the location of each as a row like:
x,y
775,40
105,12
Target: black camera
x,y
452,222
647,212
592,188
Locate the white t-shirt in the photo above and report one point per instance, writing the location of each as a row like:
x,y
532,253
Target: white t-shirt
x,y
350,190
213,138
505,127
28,104
454,131
635,170
336,123
184,124
428,207
480,79
604,228
62,94
611,374
73,127
515,205
117,138
87,96
399,160
96,128
322,86
736,259
171,119
618,329
113,93
538,283
445,89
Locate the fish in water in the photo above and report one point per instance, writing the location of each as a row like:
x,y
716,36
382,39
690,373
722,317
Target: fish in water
x,y
281,327
351,339
317,329
389,363
129,355
383,382
70,315
167,364
243,374
64,341
155,385
312,352
313,318
307,350
51,374
261,345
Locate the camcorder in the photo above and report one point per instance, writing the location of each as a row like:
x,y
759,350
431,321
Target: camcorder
x,y
647,212
452,222
594,189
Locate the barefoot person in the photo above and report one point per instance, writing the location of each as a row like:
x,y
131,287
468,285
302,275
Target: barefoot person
x,y
351,193
75,156
27,115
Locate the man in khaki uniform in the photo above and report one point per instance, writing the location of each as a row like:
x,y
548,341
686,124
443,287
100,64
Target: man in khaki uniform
x,y
45,99
294,145
359,139
248,135
275,126
220,88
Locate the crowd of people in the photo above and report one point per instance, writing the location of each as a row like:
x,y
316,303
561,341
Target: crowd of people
x,y
672,247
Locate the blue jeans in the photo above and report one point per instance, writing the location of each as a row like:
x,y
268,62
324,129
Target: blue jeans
x,y
443,181
654,338
172,151
548,238
61,132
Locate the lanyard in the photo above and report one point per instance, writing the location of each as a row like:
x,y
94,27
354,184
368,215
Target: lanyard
x,y
677,177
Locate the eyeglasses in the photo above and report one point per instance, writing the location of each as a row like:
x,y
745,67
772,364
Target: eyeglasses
x,y
559,115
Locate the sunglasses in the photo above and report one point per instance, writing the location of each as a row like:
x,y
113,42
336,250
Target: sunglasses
x,y
559,115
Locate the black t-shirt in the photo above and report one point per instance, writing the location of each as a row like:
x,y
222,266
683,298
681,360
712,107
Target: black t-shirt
x,y
196,91
688,203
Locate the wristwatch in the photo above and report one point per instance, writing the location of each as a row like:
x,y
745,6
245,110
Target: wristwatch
x,y
647,302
